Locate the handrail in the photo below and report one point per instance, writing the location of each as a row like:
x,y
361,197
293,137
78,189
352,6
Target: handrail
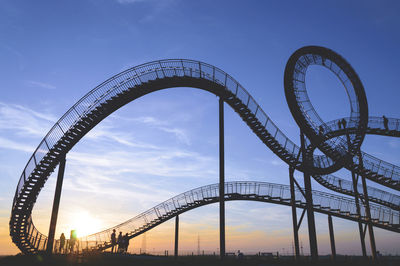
x,y
346,187
46,155
95,102
239,190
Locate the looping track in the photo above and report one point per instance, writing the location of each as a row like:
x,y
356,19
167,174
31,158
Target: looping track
x,y
141,80
308,119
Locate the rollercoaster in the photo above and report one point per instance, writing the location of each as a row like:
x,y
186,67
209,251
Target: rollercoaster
x,y
340,142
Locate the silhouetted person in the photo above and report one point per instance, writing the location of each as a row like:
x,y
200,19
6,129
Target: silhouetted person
x,y
339,124
72,240
240,255
120,242
340,183
62,242
126,242
113,241
321,130
385,123
344,122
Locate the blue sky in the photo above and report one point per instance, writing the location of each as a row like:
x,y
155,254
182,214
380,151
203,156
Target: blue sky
x,y
52,53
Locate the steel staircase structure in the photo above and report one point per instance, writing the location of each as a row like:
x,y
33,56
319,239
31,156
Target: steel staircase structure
x,y
144,79
326,203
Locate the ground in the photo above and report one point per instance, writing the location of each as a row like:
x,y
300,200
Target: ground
x,y
113,259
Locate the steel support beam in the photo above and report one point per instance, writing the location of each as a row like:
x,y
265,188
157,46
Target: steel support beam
x,y
332,237
368,213
294,214
221,180
357,201
56,204
176,236
34,242
312,234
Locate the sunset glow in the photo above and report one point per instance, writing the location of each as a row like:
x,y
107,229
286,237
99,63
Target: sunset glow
x,y
84,223
166,142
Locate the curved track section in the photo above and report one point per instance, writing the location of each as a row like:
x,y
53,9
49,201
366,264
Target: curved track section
x,y
373,168
376,126
308,119
134,83
346,187
240,190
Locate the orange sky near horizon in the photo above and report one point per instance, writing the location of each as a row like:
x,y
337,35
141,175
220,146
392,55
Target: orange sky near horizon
x,y
242,237
166,142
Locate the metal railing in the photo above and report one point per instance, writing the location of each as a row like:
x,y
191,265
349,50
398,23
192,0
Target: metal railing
x,y
371,163
375,194
162,69
129,79
36,238
262,191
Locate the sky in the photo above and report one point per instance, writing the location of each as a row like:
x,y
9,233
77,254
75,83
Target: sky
x,y
165,143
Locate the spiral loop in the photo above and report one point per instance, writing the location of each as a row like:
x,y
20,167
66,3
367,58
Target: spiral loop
x,y
338,149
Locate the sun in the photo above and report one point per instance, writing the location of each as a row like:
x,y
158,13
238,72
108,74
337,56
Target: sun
x,y
84,223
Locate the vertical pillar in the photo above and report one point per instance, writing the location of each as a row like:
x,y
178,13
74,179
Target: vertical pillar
x,y
56,204
34,242
332,237
312,234
368,213
357,201
221,180
360,226
294,213
176,236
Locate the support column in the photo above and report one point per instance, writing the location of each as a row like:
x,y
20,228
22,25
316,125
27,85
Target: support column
x,y
332,237
221,180
357,201
360,225
294,214
312,235
368,213
176,236
56,204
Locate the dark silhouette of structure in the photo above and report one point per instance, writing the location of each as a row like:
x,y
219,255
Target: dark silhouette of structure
x,y
221,180
326,203
176,236
341,147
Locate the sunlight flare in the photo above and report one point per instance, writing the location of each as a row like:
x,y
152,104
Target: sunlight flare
x,y
84,223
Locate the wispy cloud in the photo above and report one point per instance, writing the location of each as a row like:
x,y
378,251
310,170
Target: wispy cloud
x,y
24,121
130,1
114,165
17,146
108,132
19,56
179,133
39,84
158,7
148,120
168,163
